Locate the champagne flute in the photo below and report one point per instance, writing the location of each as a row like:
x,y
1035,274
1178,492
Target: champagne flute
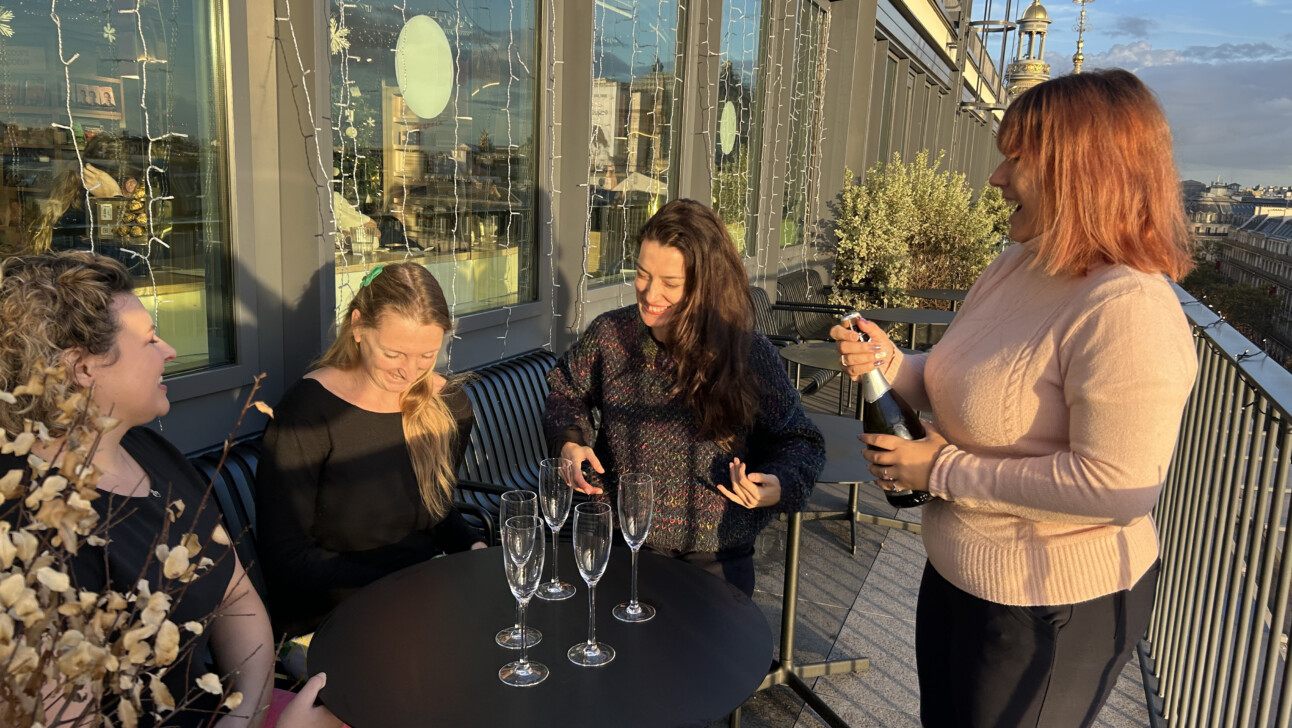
x,y
592,539
517,503
636,507
522,557
555,492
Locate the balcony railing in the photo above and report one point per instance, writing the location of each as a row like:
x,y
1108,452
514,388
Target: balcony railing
x,y
1216,648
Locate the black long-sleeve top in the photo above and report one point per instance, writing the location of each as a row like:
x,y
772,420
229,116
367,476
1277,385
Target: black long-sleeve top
x,y
338,505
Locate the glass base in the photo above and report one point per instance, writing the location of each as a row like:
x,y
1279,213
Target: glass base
x,y
595,654
555,591
523,674
625,612
510,637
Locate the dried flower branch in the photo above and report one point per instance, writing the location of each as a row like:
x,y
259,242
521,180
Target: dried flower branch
x,y
71,656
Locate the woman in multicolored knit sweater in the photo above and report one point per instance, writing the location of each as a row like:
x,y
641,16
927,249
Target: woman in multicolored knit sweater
x,y
689,393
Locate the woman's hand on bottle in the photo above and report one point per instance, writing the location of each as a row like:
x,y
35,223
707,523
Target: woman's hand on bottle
x,y
903,463
752,490
859,357
579,454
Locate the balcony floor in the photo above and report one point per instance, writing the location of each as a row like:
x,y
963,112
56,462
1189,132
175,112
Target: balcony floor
x,y
863,606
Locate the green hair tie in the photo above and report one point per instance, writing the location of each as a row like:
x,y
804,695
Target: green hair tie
x,y
376,271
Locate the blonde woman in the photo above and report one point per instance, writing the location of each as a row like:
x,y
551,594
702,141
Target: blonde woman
x,y
110,169
357,475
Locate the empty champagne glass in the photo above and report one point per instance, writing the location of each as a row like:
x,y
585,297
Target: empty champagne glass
x,y
592,540
636,507
522,557
517,503
556,492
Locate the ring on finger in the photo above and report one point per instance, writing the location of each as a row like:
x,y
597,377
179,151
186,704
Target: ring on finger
x,y
843,360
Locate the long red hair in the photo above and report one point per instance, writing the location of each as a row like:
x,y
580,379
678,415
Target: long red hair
x,y
1101,148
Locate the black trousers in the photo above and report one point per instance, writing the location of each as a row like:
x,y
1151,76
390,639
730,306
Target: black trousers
x,y
985,664
735,566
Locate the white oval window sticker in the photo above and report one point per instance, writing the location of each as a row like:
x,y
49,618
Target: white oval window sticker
x,y
727,128
424,66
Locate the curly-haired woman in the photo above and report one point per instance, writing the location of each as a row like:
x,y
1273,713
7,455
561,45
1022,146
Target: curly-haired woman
x,y
80,310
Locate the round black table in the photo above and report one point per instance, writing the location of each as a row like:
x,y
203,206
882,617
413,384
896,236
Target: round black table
x,y
416,648
818,354
824,355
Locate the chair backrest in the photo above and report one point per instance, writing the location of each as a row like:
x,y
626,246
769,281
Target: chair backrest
x,y
507,442
806,286
234,487
766,321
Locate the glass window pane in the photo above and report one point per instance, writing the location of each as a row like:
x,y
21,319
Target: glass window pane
x,y
636,105
735,190
138,119
802,164
886,109
433,145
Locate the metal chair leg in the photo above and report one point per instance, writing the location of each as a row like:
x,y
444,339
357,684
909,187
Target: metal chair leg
x,y
852,514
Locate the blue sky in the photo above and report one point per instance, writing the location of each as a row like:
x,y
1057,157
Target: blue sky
x,y
1222,69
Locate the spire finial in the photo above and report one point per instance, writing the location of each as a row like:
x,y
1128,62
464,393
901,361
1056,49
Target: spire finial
x,y
1079,57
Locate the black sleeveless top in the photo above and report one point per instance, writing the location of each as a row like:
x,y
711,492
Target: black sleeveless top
x,y
135,526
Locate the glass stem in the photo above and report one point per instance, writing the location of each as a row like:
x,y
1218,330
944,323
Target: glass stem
x,y
555,579
632,603
518,617
524,643
592,615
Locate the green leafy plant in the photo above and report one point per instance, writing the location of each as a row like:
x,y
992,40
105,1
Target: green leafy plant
x,y
909,225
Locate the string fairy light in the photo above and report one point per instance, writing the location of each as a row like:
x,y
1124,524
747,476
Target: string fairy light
x,y
554,194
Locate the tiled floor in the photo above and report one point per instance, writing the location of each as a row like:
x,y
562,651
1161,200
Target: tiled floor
x,y
863,606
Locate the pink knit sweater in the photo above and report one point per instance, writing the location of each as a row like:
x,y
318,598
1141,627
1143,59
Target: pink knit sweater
x,y
1061,398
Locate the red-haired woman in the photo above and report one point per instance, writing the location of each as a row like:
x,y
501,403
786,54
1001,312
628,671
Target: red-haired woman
x,y
691,395
1057,394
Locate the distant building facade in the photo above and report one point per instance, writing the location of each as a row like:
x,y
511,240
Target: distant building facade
x,y
1258,252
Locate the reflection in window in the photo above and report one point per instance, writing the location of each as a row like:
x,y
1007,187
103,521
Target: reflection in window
x,y
803,163
138,120
886,107
636,105
433,153
735,190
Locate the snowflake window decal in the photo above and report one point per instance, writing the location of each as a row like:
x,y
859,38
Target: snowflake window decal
x,y
338,36
109,33
6,17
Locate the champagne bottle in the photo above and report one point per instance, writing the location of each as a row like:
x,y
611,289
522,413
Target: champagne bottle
x,y
885,412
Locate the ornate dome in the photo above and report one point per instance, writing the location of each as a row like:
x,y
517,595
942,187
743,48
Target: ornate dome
x,y
1036,11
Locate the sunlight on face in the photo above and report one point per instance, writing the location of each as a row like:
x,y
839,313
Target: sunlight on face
x,y
397,351
661,285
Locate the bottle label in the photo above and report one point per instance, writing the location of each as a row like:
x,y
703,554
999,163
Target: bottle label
x,y
874,386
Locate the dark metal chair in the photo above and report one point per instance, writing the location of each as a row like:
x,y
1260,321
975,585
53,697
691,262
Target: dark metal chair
x,y
507,441
803,293
234,488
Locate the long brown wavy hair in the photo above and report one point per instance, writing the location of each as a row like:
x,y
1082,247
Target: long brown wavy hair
x,y
52,306
116,155
1110,193
430,432
714,329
